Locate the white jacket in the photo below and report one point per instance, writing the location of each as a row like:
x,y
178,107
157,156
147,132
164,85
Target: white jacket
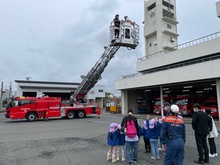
x,y
214,132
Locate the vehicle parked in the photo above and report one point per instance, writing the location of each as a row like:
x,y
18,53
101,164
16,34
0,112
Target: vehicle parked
x,y
211,103
157,105
33,108
185,104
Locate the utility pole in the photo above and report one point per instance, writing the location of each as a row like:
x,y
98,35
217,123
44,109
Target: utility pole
x,y
10,89
1,93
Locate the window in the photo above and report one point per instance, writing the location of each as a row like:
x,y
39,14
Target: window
x,y
23,102
169,26
32,101
127,33
167,4
157,103
150,44
212,104
168,14
182,102
151,6
101,90
13,103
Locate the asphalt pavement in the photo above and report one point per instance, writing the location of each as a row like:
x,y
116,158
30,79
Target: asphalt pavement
x,y
74,142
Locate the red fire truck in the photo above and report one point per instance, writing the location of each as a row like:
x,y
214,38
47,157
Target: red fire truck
x,y
157,105
185,103
211,103
33,108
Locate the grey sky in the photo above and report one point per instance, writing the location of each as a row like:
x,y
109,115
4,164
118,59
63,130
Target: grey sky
x,y
59,40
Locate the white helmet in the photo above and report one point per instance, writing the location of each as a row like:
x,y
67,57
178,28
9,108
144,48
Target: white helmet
x,y
174,108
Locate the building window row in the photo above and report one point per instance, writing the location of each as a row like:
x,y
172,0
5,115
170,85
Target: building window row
x,y
155,43
169,26
168,4
151,6
184,63
168,14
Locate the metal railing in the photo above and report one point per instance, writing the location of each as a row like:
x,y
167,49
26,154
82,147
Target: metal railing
x,y
182,46
172,66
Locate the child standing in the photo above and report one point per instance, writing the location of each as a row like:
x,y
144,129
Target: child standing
x,y
153,130
113,141
146,138
212,135
139,135
121,145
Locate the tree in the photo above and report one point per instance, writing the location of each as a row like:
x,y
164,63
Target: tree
x,y
107,95
5,102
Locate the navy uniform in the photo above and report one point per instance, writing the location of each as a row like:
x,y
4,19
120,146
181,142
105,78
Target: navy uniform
x,y
116,25
202,125
173,137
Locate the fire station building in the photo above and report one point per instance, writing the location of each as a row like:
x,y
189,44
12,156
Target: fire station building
x,y
57,89
169,69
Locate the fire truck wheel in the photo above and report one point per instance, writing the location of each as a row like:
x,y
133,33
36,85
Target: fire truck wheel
x,y
81,114
70,115
31,116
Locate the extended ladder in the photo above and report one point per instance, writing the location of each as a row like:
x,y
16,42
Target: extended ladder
x,y
128,37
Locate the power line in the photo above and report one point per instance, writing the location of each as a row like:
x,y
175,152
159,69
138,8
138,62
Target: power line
x,y
1,93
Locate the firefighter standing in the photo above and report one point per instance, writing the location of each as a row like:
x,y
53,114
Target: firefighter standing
x,y
46,115
173,137
117,23
98,112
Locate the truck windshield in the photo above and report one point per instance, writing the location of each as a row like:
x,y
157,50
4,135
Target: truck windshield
x,y
13,103
157,102
182,102
214,104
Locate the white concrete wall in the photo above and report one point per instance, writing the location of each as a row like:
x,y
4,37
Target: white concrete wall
x,y
124,101
19,91
96,91
51,85
196,51
155,27
132,104
39,90
206,70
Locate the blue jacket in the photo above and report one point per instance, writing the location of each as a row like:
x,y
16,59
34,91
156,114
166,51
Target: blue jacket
x,y
153,133
121,137
144,133
113,138
173,127
139,133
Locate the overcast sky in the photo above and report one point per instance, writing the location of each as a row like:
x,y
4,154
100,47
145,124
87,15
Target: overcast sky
x,y
59,40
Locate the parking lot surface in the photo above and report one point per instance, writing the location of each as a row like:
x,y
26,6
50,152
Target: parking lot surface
x,y
74,142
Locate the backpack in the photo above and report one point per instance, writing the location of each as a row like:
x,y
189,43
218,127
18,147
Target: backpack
x,y
131,129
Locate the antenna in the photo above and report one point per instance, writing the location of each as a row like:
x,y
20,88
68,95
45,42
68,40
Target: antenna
x,y
28,78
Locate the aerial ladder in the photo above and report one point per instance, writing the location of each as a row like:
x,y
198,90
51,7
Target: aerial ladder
x,y
128,37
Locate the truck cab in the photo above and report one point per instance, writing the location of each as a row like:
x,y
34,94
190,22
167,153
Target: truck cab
x,y
185,104
157,105
33,108
211,103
